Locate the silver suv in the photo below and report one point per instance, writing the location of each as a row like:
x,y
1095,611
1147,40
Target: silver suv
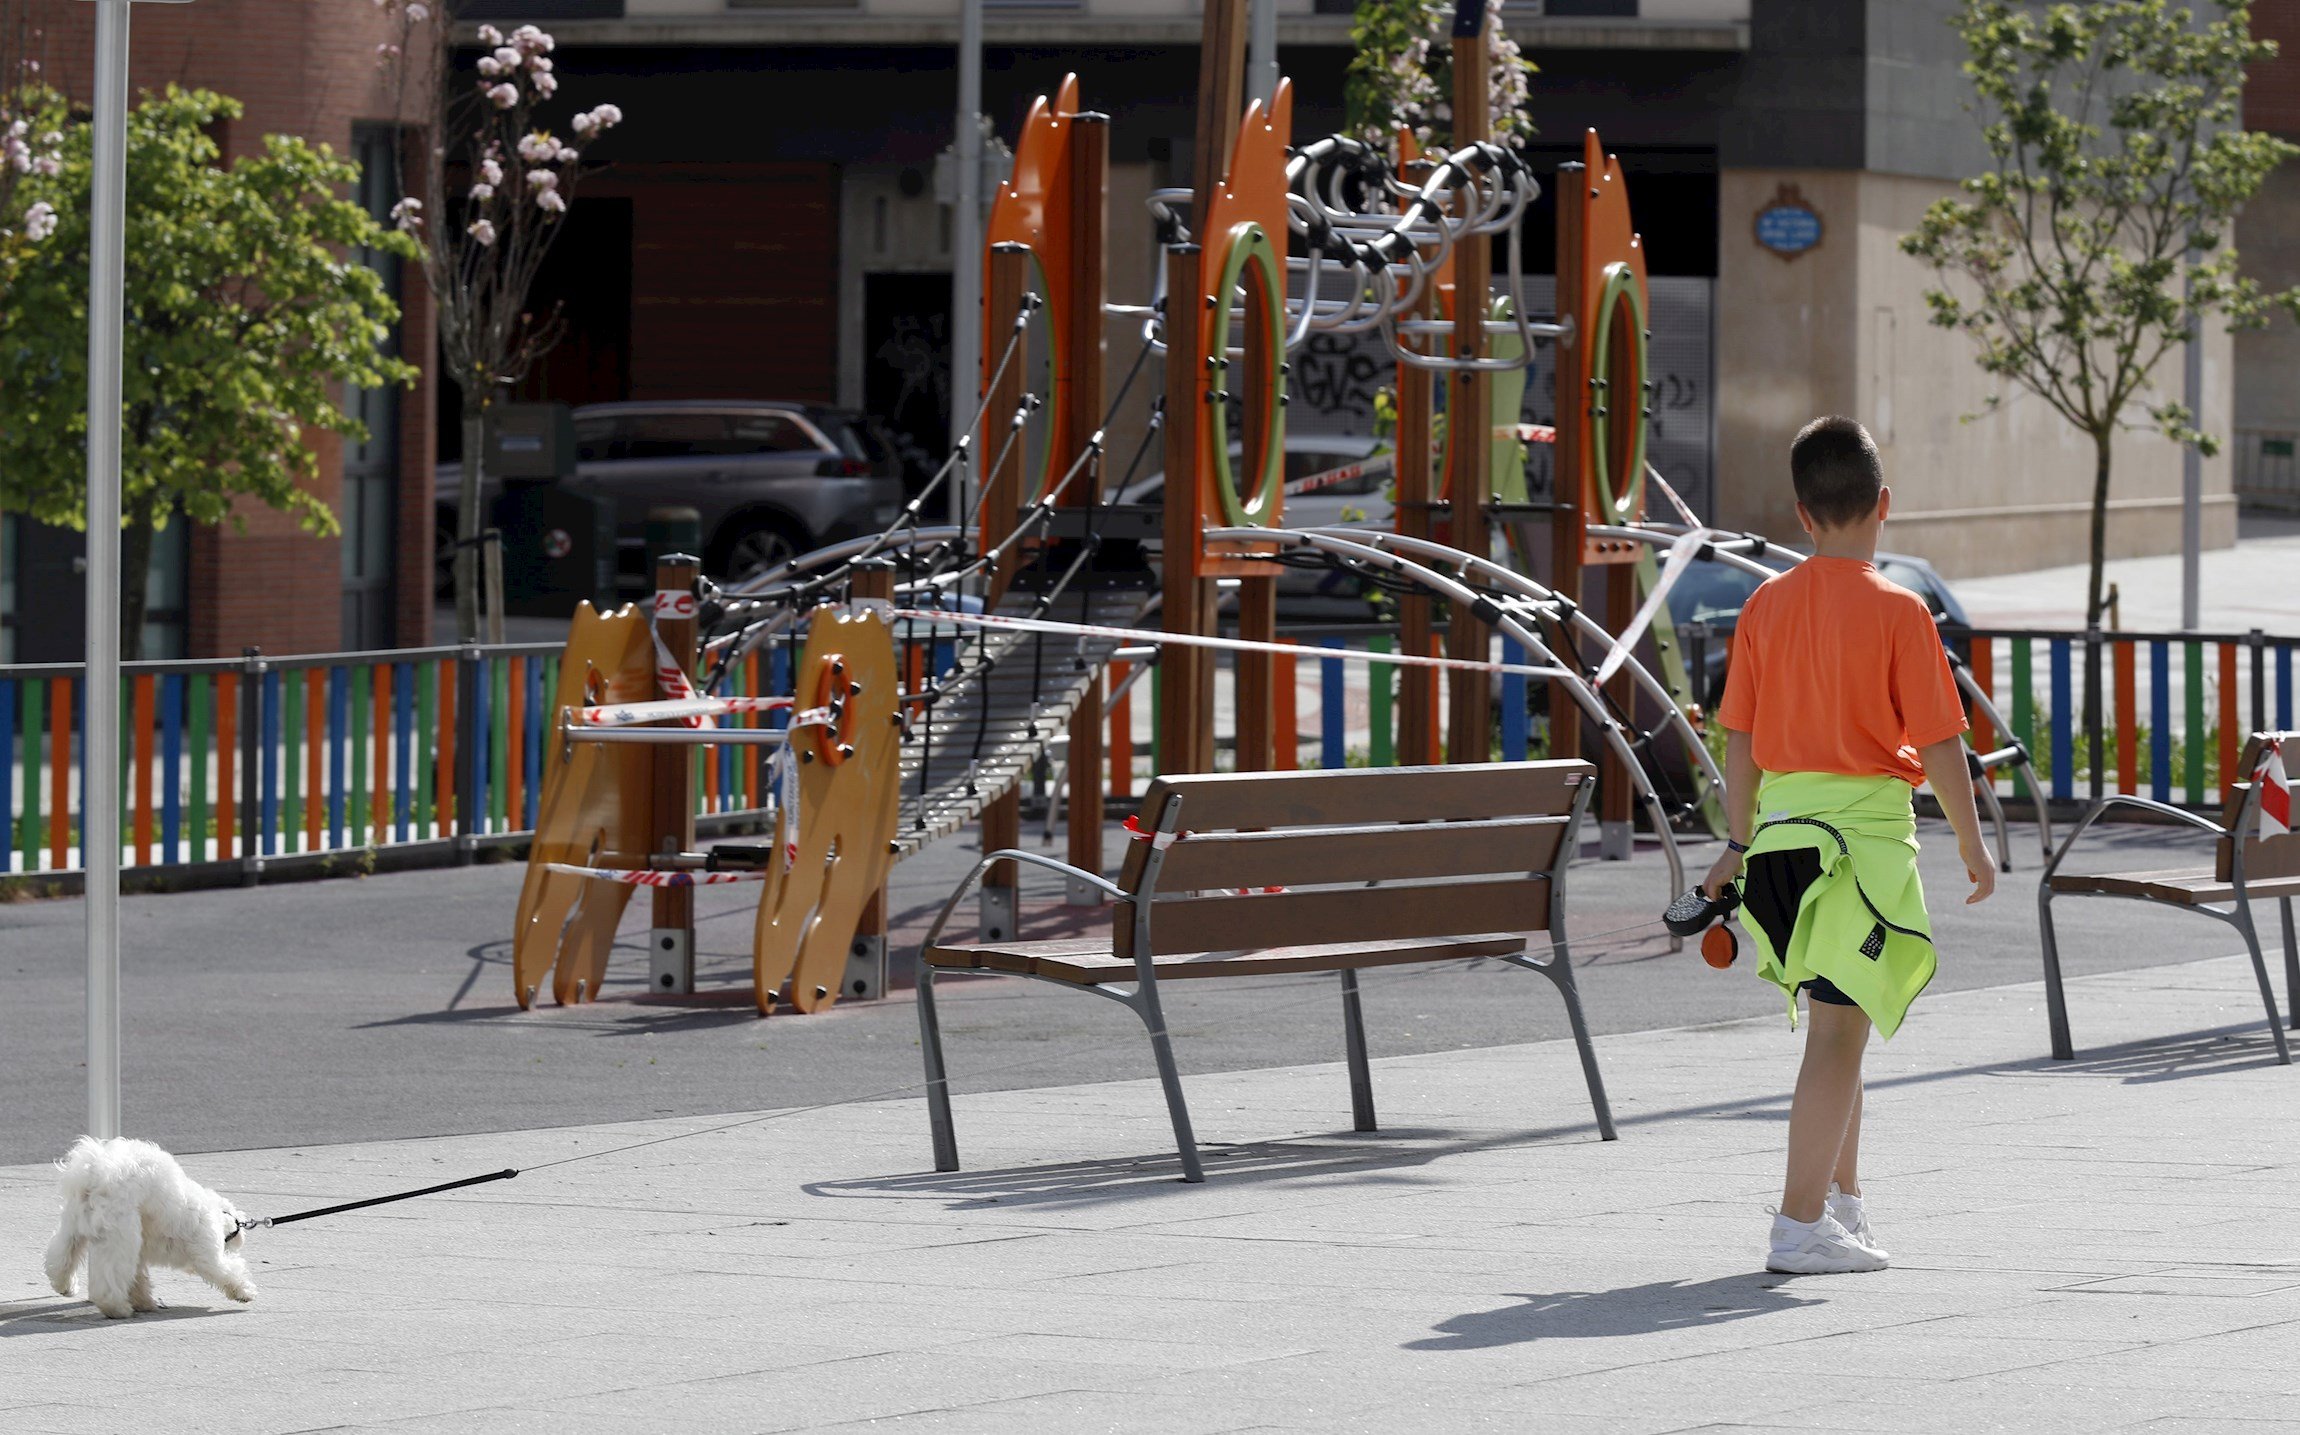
x,y
770,480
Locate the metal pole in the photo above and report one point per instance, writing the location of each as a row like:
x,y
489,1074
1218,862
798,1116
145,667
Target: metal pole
x,y
100,789
1262,50
966,261
2192,470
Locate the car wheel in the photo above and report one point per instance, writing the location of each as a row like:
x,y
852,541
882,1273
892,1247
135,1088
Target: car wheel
x,y
755,550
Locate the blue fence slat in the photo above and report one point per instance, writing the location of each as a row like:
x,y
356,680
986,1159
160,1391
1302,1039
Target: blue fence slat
x,y
1514,737
1333,737
2284,688
2160,729
779,681
2063,722
171,767
338,740
531,752
403,740
273,706
8,772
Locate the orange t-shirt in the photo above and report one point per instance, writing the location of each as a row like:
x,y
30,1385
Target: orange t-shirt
x,y
1836,669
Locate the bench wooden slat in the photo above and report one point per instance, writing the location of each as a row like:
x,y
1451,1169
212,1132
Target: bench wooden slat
x,y
1091,962
2191,887
1369,914
1389,853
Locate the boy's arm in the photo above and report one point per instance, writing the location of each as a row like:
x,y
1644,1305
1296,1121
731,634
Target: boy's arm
x,y
1952,784
1741,779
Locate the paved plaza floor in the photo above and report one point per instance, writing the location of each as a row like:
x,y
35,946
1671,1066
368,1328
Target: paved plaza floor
x,y
2108,1244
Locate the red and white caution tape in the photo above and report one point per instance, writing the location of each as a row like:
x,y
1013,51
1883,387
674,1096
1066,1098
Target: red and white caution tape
x,y
638,877
1336,477
670,673
1229,645
1536,433
670,709
2275,794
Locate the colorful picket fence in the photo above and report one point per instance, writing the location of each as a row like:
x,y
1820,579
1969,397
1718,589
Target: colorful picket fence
x,y
233,760
2174,708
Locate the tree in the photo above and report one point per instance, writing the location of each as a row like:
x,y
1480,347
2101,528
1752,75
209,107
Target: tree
x,y
481,248
31,133
1401,74
2096,241
244,320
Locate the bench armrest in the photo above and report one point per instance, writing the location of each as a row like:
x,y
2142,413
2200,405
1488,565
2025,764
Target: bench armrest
x,y
2093,813
1015,854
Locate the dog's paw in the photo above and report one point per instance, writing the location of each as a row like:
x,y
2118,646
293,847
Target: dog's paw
x,y
148,1302
62,1287
242,1292
115,1312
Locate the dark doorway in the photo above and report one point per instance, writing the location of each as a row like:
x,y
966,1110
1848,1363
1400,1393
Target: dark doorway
x,y
47,605
906,366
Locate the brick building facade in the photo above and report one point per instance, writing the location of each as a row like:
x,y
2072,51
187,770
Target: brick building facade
x,y
309,68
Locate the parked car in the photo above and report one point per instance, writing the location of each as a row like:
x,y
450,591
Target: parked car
x,y
770,480
1713,593
1358,497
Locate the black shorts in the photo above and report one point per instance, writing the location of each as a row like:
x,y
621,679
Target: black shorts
x,y
1772,886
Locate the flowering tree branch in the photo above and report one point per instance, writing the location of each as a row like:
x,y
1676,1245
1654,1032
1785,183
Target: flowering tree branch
x,y
492,201
1401,74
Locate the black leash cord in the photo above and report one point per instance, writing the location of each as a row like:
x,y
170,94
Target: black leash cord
x,y
387,1200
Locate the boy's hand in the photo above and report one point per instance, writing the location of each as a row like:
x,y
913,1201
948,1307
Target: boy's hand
x,y
1728,867
1980,865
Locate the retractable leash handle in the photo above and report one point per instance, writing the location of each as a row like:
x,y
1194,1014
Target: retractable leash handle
x,y
1699,914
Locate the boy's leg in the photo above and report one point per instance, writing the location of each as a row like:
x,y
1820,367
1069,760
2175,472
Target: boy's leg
x,y
1828,1092
1847,1174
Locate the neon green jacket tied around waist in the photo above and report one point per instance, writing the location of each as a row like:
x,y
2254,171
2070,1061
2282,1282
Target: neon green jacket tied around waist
x,y
1862,924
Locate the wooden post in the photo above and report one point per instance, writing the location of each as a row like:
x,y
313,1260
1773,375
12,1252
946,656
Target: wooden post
x,y
1090,222
1568,455
1469,416
671,935
1002,448
1186,686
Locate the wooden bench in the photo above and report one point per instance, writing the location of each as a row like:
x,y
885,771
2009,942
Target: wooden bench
x,y
1379,868
2247,867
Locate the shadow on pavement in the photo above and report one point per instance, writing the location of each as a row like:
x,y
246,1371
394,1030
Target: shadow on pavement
x,y
1628,1310
63,1317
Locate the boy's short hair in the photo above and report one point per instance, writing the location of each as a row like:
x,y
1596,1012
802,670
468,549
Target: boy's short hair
x,y
1838,475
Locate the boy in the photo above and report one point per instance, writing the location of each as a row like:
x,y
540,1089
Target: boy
x,y
1839,702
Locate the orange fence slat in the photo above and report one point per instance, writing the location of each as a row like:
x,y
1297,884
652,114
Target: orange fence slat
x,y
227,764
2231,729
142,708
1984,677
1121,739
2126,659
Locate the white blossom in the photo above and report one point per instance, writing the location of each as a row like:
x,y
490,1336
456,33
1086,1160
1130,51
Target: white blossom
x,y
542,179
533,41
538,148
546,84
490,36
490,172
481,193
539,63
567,154
408,214
606,117
49,166
39,221
387,51
509,58
482,232
488,67
551,202
504,96
417,11
584,124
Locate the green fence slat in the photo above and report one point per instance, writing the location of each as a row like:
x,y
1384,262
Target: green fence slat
x,y
2200,737
362,752
292,757
426,744
34,831
196,699
1381,703
2024,708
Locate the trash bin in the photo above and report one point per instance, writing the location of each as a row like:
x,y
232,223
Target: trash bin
x,y
558,550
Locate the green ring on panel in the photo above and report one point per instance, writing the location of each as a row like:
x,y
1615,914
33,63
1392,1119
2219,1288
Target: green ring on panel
x,y
1620,284
1266,298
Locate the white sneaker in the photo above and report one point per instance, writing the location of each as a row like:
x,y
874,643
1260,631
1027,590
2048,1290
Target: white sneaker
x,y
1822,1247
1853,1215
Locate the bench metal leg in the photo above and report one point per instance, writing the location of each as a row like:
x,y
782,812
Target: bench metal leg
x,y
1559,969
1354,1038
1146,1006
937,1080
2291,965
2055,1003
2260,970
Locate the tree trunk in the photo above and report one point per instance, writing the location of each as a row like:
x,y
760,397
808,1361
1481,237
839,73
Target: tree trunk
x,y
136,573
468,523
2095,605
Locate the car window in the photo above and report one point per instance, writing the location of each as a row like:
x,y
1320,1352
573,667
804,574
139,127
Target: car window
x,y
1710,593
1916,581
769,433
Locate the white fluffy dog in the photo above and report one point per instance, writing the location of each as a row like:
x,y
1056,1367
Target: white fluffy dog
x,y
129,1207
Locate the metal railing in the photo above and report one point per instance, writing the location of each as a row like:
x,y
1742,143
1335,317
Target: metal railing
x,y
2267,469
